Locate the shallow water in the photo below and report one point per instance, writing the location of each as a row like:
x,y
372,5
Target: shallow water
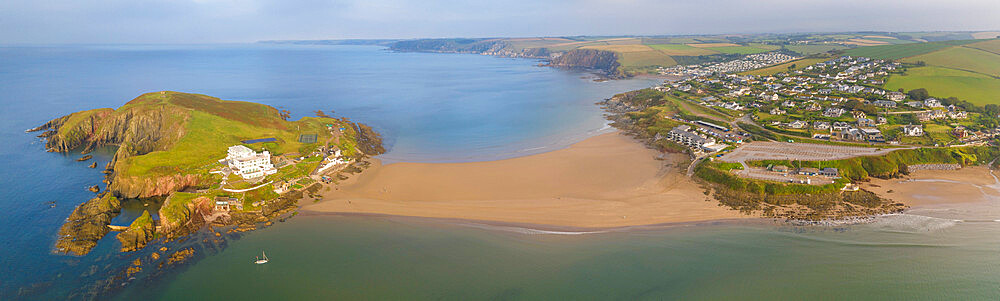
x,y
429,107
438,107
352,257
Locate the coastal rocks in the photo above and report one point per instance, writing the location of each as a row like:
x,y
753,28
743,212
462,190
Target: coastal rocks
x,y
144,187
85,158
87,224
605,61
494,47
178,218
73,130
139,233
369,141
93,165
94,189
180,256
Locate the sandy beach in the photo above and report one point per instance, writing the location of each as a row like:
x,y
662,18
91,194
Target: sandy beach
x,y
608,180
937,187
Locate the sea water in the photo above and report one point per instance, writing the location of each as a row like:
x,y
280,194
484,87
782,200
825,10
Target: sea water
x,y
435,108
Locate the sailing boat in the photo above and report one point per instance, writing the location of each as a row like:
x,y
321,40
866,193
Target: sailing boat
x,y
261,261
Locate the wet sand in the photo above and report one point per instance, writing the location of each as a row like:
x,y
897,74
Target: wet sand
x,y
936,187
605,181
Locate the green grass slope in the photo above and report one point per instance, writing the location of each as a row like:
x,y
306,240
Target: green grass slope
x,y
896,51
943,82
962,58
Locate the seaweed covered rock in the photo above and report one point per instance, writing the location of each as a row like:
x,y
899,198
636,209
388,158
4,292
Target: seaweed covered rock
x,y
87,224
139,233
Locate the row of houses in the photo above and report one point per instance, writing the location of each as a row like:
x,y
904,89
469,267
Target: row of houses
x,y
806,171
683,135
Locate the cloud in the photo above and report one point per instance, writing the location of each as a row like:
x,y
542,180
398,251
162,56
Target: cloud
x,y
200,21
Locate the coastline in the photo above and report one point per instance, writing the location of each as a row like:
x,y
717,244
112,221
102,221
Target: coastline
x,y
933,188
605,181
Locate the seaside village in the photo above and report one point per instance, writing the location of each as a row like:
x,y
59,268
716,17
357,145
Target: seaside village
x,y
247,172
839,99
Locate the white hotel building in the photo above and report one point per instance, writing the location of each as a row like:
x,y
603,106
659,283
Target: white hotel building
x,y
248,163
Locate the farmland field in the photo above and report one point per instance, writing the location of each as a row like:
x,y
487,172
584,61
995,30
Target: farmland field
x,y
962,58
813,49
738,49
799,64
620,48
646,58
988,46
709,45
942,82
681,49
896,51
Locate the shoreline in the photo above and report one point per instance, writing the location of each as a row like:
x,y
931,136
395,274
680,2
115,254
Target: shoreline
x,y
530,228
484,193
934,188
606,181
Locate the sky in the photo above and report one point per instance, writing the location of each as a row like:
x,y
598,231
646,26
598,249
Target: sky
x,y
227,21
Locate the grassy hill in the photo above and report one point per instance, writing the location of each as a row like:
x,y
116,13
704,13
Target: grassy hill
x,y
168,141
943,82
962,58
966,69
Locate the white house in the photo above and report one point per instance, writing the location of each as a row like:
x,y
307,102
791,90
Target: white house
x,y
248,163
913,130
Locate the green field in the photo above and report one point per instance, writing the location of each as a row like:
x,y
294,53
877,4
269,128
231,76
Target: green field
x,y
645,58
896,51
814,49
738,49
962,58
682,50
943,82
799,64
988,46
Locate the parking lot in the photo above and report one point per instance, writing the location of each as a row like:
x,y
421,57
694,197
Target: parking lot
x,y
798,151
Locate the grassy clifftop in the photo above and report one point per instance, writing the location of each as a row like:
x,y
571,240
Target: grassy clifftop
x,y
167,140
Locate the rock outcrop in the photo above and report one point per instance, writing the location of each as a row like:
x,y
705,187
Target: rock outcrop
x,y
87,224
605,62
369,141
139,233
590,59
178,216
494,47
151,186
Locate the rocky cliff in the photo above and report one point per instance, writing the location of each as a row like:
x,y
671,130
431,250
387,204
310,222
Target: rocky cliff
x,y
179,216
138,234
87,224
604,62
494,47
591,59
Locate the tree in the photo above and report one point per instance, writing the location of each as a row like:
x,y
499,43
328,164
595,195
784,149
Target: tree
x,y
790,67
918,94
285,114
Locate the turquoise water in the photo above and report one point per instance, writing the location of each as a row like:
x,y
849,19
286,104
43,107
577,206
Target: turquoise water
x,y
429,107
435,108
350,258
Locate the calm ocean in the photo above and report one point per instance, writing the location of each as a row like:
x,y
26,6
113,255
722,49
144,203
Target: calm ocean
x,y
434,108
